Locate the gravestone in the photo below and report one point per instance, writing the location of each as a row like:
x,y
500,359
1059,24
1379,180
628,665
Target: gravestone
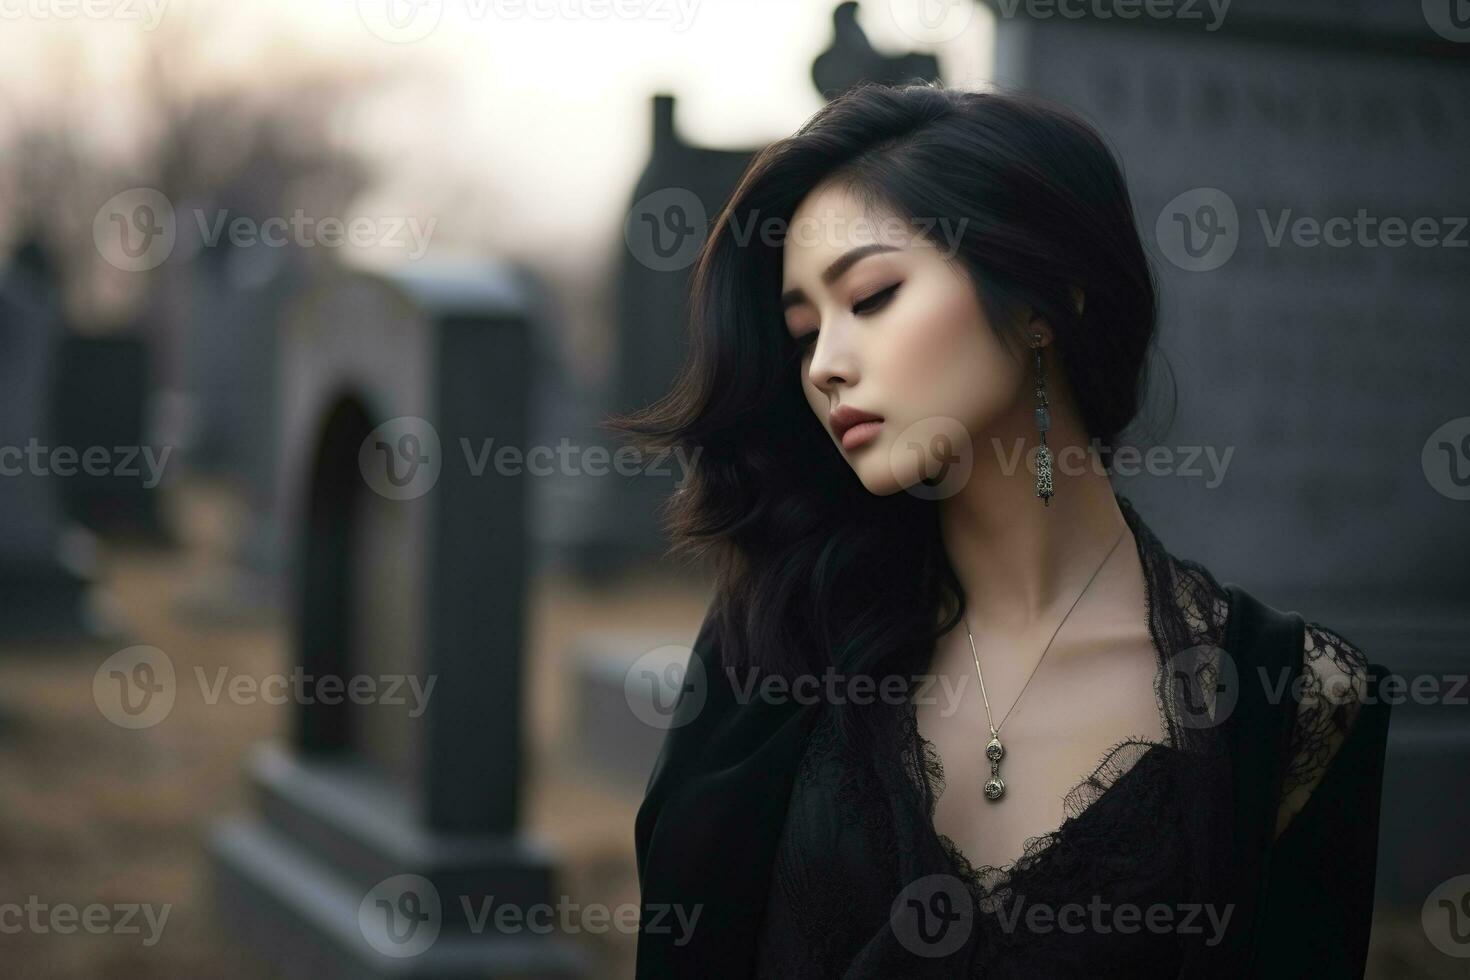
x,y
46,561
1330,371
851,59
239,294
611,520
383,831
100,403
679,193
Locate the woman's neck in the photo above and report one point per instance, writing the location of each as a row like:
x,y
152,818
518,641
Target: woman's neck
x,y
1020,562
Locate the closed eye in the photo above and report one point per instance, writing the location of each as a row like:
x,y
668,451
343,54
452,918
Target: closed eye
x,y
863,307
876,301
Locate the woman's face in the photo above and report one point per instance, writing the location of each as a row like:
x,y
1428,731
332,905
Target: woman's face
x,y
893,329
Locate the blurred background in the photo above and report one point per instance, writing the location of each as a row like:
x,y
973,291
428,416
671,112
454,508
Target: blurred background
x,y
331,621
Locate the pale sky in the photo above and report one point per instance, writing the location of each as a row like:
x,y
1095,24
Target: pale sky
x,y
502,98
518,133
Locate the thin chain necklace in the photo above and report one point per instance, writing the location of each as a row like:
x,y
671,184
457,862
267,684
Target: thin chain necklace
x,y
995,787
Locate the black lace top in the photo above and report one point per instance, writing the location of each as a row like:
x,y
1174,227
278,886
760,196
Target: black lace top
x,y
1119,889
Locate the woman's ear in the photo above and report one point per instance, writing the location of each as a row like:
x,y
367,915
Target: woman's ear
x,y
1077,298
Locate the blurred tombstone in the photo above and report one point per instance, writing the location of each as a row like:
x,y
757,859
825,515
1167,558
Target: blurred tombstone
x,y
611,520
851,59
46,562
384,831
678,195
230,357
239,295
627,684
100,404
1331,365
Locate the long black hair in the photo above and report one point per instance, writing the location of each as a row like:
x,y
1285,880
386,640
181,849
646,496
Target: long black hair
x,y
813,570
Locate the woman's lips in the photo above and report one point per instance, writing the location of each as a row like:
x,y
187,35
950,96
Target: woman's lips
x,y
861,434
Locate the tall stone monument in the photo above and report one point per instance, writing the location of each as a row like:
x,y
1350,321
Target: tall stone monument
x,y
1297,172
393,816
46,563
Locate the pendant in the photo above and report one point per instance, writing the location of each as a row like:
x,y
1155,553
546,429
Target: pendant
x,y
995,787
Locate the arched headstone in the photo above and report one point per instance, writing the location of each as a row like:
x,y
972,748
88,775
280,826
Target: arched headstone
x,y
409,569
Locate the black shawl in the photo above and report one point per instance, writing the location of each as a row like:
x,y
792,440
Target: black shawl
x,y
707,831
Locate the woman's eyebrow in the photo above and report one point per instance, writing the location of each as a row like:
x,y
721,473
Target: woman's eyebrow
x,y
834,271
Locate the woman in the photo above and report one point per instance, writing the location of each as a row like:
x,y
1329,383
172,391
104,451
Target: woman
x,y
956,711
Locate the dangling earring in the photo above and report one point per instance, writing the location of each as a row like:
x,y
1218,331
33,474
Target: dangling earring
x,y
1043,423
